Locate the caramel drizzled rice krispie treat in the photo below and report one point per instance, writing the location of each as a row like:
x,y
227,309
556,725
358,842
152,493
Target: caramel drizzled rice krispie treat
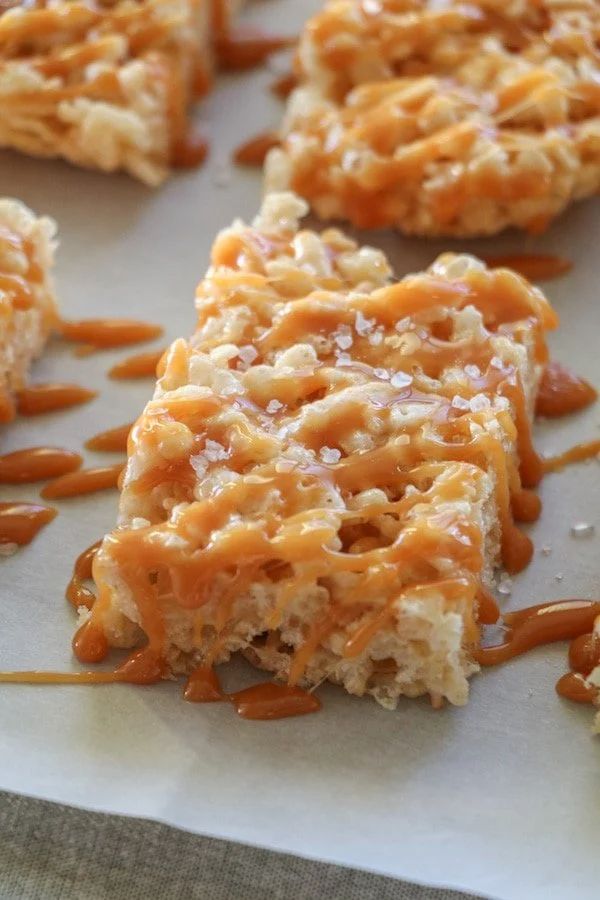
x,y
330,468
103,84
27,306
452,118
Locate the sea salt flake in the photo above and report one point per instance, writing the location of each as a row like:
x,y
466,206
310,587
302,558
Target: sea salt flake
x,y
343,359
559,576
273,406
381,373
199,464
459,402
344,341
546,550
376,337
363,325
247,355
479,402
472,371
404,324
330,455
582,530
213,451
496,362
505,587
400,380
138,522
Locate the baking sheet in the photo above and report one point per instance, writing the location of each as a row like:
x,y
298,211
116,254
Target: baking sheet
x,y
500,797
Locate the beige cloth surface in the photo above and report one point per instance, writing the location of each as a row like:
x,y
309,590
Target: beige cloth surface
x,y
52,852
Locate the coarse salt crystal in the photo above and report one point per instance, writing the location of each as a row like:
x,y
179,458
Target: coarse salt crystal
x,y
343,359
381,373
199,464
363,325
505,587
400,380
403,324
479,402
496,362
247,355
459,402
344,341
330,455
214,451
473,371
582,530
139,522
376,337
546,550
273,406
559,576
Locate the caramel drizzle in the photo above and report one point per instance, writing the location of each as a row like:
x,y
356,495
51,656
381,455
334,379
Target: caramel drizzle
x,y
18,291
265,701
254,151
541,624
114,440
85,481
562,392
283,86
20,522
77,592
533,266
578,453
37,464
274,701
190,151
142,365
245,48
105,334
43,398
573,620
140,668
259,702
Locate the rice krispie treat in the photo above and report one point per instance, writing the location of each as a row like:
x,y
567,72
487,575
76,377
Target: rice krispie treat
x,y
453,118
103,84
27,306
331,467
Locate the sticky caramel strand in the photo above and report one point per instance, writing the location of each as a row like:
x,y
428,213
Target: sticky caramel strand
x,y
545,623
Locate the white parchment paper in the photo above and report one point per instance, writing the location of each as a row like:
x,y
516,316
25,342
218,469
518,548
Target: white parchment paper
x,y
500,797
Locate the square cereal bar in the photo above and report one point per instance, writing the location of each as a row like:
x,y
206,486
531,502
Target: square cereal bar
x,y
27,306
446,118
105,85
331,467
